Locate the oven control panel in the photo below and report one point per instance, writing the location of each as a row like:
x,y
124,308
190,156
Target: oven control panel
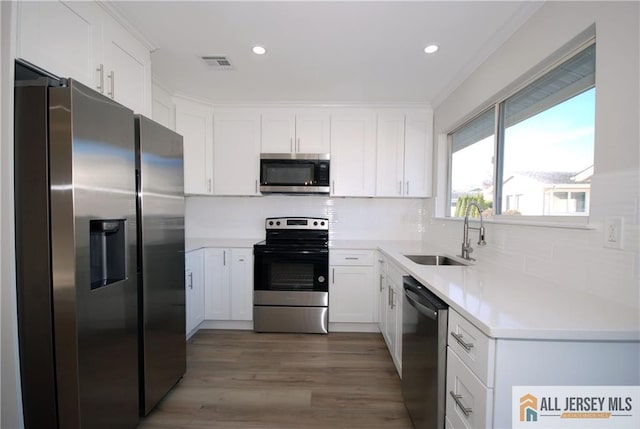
x,y
297,223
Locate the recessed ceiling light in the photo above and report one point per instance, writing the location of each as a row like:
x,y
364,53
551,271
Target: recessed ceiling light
x,y
259,50
430,49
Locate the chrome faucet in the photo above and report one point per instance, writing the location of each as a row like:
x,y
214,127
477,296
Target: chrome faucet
x,y
466,243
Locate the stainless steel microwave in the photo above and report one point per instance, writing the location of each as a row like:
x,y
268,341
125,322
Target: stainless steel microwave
x,y
294,173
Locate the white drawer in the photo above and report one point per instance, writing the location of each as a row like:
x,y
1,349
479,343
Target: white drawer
x,y
470,393
351,257
472,346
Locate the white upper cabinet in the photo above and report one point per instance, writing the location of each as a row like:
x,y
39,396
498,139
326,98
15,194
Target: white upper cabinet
x,y
63,38
404,153
126,69
390,154
295,131
82,41
194,121
278,131
312,131
418,153
353,152
236,152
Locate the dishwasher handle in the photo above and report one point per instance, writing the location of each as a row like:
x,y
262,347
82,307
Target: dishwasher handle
x,y
414,300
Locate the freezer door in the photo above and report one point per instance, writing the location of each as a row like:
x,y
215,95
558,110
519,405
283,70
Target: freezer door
x,y
93,237
160,260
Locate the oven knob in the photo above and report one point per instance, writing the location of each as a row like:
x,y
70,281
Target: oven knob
x,y
322,223
321,279
278,223
270,223
315,223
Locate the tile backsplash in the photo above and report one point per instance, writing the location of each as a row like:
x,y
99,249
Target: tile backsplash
x,y
349,218
573,258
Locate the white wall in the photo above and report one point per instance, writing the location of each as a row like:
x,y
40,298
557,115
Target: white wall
x,y
350,218
575,258
11,416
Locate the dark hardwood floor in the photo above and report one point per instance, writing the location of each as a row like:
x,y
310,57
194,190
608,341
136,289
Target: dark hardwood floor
x,y
240,379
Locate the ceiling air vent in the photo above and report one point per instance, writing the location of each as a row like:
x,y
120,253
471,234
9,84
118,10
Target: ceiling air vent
x,y
217,62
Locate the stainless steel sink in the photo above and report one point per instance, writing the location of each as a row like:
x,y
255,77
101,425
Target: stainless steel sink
x,y
434,260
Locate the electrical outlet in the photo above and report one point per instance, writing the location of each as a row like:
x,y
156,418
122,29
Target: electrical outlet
x,y
613,232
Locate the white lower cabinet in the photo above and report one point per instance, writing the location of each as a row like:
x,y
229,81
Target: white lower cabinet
x,y
481,371
241,284
389,288
352,297
470,375
469,401
228,284
381,287
194,288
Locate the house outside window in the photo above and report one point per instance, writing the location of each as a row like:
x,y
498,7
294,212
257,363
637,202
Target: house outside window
x,y
531,153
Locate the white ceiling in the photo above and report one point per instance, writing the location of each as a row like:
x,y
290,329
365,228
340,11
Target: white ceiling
x,y
322,51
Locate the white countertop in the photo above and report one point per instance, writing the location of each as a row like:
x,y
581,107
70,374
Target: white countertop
x,y
502,303
193,243
506,304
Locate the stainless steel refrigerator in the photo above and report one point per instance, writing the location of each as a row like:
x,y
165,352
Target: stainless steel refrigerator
x,y
98,312
160,260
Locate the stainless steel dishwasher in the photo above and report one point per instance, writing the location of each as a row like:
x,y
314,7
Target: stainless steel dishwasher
x,y
424,355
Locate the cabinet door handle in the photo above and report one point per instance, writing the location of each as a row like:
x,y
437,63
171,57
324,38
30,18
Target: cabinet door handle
x,y
190,280
333,274
101,84
112,77
393,299
381,278
463,343
407,189
333,186
466,411
351,258
290,144
241,259
389,296
256,186
224,257
208,185
400,187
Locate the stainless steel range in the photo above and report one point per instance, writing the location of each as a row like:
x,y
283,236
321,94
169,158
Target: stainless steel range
x,y
291,271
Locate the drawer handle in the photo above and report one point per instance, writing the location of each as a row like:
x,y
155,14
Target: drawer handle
x,y
458,398
463,343
351,258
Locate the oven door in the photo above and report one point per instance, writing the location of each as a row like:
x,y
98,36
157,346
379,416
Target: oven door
x,y
291,277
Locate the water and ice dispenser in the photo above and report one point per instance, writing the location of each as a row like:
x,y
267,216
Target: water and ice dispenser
x,y
107,249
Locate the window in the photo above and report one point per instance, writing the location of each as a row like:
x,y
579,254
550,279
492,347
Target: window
x,y
538,160
472,163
